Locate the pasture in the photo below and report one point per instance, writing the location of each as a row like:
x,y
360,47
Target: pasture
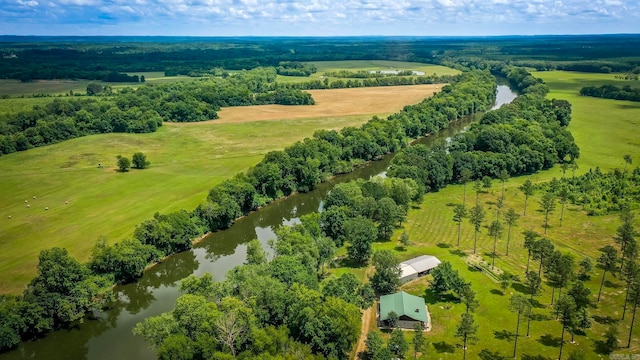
x,y
605,131
16,88
186,161
368,65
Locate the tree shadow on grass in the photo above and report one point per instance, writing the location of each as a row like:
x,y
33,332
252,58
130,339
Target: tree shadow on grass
x,y
520,288
538,305
611,284
443,347
473,269
431,297
496,292
349,263
605,320
549,340
458,252
487,354
601,347
400,248
443,245
540,317
534,357
504,335
628,106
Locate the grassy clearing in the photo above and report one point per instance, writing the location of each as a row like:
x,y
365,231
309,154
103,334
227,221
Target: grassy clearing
x,y
368,65
355,65
15,105
604,130
55,87
186,161
432,231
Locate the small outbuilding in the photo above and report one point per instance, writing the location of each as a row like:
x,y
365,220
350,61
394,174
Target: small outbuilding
x,y
410,309
416,267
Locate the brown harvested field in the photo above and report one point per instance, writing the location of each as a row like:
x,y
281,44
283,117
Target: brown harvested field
x,y
333,102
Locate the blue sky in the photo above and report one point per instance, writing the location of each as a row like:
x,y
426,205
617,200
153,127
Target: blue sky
x,y
318,17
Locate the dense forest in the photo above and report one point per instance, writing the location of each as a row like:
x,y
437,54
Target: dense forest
x,y
30,58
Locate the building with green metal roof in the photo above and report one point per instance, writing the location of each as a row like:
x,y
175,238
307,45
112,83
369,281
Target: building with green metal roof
x,y
410,309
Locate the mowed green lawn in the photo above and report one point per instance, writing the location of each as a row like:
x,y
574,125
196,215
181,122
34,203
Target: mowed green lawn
x,y
368,65
605,130
186,161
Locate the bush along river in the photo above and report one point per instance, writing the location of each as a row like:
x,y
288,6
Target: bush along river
x,y
107,335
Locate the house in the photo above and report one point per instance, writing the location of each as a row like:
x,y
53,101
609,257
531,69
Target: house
x,y
410,309
416,267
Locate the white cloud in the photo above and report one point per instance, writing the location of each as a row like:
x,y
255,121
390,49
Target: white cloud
x,y
28,3
336,16
80,2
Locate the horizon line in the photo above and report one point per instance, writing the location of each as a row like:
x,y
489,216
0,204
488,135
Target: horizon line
x,y
321,36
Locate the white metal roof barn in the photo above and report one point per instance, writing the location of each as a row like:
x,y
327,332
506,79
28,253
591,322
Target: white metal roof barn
x,y
416,267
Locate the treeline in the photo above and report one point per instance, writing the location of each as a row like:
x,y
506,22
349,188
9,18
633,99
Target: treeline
x,y
608,91
633,76
365,74
91,58
599,66
141,110
523,137
599,193
300,167
295,68
114,76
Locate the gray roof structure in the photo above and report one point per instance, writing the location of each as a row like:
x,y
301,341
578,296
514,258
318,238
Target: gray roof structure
x,y
421,263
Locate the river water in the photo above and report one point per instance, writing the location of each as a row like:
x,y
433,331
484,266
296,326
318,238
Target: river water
x,y
107,335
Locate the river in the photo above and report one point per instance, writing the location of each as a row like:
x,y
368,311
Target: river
x,y
107,335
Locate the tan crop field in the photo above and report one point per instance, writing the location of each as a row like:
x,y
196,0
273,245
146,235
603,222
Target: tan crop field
x,y
332,102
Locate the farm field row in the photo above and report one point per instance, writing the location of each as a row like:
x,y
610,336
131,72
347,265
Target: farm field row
x,y
605,131
186,161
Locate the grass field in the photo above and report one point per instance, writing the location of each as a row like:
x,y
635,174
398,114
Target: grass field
x,y
15,88
185,162
605,131
368,65
15,105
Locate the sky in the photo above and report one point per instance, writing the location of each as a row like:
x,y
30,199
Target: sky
x,y
318,17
